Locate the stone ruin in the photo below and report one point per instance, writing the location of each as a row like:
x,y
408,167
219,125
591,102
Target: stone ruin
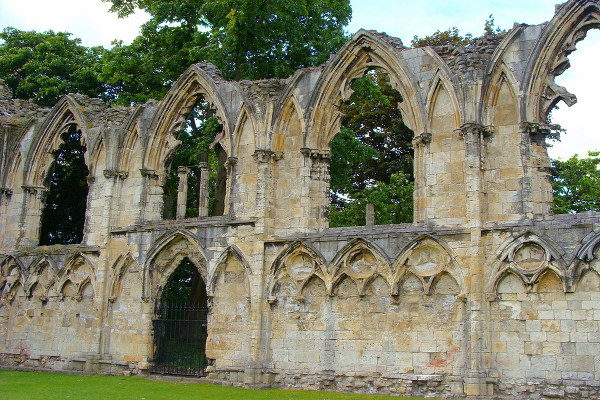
x,y
485,293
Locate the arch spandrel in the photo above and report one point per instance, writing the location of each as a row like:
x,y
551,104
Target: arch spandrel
x,y
364,51
549,58
198,80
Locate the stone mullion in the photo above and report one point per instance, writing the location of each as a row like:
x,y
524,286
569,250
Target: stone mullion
x,y
203,190
477,306
31,214
319,184
534,133
421,148
148,175
182,189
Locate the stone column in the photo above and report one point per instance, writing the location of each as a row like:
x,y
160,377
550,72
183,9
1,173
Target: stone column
x,y
148,176
370,215
182,191
31,215
317,197
537,191
477,305
263,185
204,190
420,198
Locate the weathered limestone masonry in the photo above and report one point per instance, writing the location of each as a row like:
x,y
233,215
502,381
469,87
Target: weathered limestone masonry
x,y
486,293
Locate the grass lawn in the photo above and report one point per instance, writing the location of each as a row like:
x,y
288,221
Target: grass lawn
x,y
15,385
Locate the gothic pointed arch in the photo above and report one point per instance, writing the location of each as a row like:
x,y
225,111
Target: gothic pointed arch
x,y
289,115
119,268
78,270
165,256
550,58
361,261
528,257
12,273
66,113
427,258
500,98
300,263
198,80
366,50
42,277
441,84
232,252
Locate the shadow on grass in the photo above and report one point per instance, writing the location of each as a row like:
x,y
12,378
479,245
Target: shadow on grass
x,y
17,385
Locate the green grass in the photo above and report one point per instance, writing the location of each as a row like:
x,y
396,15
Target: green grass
x,y
15,385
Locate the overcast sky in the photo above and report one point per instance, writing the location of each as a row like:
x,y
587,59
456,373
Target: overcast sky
x,y
91,21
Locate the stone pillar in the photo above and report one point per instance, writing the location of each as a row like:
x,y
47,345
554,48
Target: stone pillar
x,y
31,215
317,197
204,190
182,191
264,185
537,190
148,176
420,198
477,306
370,215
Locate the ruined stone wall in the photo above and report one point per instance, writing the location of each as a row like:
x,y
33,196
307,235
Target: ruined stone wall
x,y
485,293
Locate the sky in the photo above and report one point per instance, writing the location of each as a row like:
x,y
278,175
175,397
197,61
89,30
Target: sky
x,y
91,21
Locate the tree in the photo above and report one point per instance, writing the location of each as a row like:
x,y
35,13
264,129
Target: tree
x,y
576,184
371,156
248,39
45,66
63,217
452,36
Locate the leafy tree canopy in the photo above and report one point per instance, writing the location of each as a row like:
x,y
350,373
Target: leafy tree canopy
x,y
576,184
246,39
45,66
452,36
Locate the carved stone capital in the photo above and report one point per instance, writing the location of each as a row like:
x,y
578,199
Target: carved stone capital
x,y
536,128
183,170
316,154
6,191
34,190
422,139
265,156
111,173
471,128
203,166
90,179
149,173
231,162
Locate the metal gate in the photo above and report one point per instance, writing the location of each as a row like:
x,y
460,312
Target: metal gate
x,y
180,339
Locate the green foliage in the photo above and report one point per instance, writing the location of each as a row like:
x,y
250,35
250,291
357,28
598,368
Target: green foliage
x,y
393,204
17,385
246,39
45,66
452,36
371,155
178,288
63,216
576,184
148,67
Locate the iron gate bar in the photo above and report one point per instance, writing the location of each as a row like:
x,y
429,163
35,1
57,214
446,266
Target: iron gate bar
x,y
180,339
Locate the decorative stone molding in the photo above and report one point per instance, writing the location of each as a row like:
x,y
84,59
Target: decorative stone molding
x,y
536,128
231,162
34,190
110,173
474,128
90,179
149,173
422,139
6,192
316,154
265,156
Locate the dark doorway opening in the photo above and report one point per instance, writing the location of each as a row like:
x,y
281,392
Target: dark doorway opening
x,y
180,324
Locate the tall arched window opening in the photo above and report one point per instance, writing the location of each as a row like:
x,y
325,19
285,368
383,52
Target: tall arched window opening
x,y
372,157
574,172
200,163
63,216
